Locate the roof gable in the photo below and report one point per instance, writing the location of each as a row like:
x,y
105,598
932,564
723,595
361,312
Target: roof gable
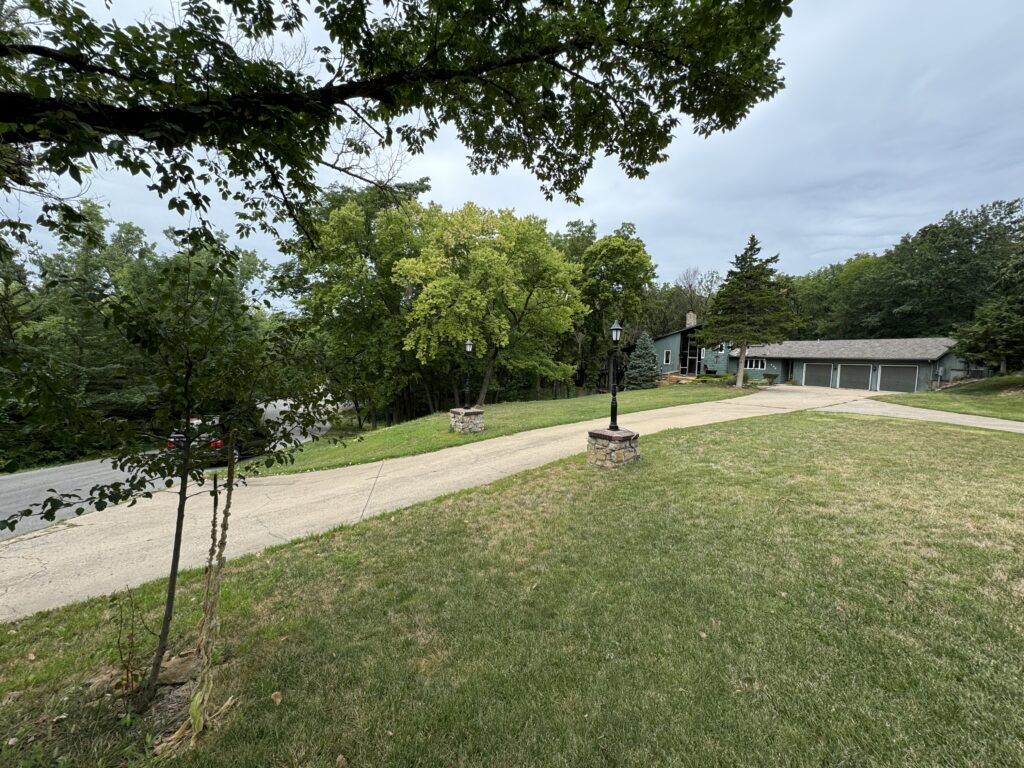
x,y
693,327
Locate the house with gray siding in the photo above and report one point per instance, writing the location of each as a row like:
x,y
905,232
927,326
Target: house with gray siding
x,y
887,365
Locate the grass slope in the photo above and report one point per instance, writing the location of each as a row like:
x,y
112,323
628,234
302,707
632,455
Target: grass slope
x,y
1000,396
431,433
849,597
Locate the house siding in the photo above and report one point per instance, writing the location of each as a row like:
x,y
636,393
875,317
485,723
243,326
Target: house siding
x,y
771,365
670,343
717,361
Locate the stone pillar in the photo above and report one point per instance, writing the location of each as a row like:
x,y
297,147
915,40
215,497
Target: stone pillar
x,y
612,448
466,420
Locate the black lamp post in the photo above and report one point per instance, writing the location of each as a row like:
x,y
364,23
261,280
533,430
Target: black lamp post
x,y
616,335
469,357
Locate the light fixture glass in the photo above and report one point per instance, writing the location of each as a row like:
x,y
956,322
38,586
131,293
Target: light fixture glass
x,y
469,346
616,331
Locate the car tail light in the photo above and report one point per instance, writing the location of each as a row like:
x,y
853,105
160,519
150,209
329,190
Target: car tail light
x,y
216,443
171,444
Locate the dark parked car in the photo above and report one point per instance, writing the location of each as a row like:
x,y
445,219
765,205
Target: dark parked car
x,y
211,441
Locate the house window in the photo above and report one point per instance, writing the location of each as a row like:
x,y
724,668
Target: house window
x,y
702,351
668,357
755,364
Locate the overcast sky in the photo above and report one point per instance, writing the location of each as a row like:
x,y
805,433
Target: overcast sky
x,y
893,113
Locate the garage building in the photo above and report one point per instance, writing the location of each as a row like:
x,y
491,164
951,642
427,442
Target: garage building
x,y
888,365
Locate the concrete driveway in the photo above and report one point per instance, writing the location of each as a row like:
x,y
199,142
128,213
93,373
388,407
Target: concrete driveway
x,y
892,410
123,547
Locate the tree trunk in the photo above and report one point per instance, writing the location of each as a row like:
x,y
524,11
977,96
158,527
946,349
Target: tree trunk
x,y
455,390
1002,364
742,366
536,390
146,695
486,382
430,399
359,415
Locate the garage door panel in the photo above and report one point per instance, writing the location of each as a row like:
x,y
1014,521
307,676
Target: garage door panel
x,y
897,378
817,375
855,376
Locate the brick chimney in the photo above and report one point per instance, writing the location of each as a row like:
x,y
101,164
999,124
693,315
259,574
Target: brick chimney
x,y
691,319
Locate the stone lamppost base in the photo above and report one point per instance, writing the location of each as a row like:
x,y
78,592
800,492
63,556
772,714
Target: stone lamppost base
x,y
466,420
612,448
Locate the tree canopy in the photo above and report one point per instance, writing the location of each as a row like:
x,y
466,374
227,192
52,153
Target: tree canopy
x,y
616,274
211,97
925,285
995,336
493,278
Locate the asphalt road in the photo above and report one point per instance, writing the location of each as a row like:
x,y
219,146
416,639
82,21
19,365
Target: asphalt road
x,y
21,490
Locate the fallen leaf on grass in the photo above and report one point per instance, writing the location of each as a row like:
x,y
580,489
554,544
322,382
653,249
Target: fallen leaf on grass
x,y
276,696
702,635
341,761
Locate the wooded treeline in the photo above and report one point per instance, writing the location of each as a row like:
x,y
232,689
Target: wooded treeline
x,y
925,285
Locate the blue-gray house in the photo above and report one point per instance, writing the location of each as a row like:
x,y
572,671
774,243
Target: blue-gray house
x,y
893,365
678,351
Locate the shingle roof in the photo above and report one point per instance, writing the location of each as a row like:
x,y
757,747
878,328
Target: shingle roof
x,y
855,349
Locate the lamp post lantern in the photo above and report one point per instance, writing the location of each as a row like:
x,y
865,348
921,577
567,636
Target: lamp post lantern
x,y
469,356
616,330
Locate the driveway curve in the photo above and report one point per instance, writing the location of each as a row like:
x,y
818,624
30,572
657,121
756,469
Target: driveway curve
x,y
124,546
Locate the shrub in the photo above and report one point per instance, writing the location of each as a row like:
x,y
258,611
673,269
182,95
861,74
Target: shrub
x,y
721,378
770,377
643,371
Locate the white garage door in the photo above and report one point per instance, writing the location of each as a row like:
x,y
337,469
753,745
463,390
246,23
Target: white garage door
x,y
898,378
817,374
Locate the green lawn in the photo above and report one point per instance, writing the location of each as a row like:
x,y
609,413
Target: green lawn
x,y
849,597
431,433
1000,396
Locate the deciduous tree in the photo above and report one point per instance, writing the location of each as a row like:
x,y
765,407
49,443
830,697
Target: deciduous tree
x,y
995,336
493,278
208,97
616,275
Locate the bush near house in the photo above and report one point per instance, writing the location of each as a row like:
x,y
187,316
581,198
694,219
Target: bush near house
x,y
643,371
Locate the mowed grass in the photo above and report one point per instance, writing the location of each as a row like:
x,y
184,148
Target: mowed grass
x,y
1000,396
431,433
804,589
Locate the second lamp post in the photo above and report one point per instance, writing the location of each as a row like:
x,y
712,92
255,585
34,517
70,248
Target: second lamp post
x,y
469,357
616,330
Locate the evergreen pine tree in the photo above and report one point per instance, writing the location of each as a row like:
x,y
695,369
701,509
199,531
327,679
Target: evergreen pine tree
x,y
643,371
751,307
